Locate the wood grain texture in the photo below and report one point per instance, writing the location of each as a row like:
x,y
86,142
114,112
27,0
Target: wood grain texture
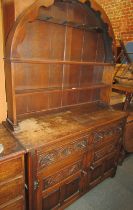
x,y
62,52
12,175
50,127
58,64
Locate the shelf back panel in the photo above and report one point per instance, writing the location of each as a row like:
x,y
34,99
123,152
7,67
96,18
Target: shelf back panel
x,y
41,79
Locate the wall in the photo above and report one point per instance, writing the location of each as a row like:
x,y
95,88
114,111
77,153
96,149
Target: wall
x,y
120,13
2,79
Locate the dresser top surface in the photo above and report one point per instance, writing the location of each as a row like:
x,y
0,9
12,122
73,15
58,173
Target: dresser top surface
x,y
47,129
9,146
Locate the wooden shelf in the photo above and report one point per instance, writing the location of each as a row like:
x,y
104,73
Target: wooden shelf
x,y
60,57
37,90
39,61
63,22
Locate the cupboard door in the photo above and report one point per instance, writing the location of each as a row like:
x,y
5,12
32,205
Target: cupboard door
x,y
60,194
52,200
110,164
71,189
95,173
102,169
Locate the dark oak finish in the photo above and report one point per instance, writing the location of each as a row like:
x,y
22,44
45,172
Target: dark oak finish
x,y
128,141
70,152
69,50
59,69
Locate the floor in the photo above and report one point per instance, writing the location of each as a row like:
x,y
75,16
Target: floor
x,y
112,194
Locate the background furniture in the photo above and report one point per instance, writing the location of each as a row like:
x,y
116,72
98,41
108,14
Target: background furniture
x,y
12,177
124,85
127,90
123,77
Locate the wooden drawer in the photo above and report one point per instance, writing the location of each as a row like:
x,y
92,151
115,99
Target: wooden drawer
x,y
64,173
108,134
11,190
12,178
10,169
104,151
18,204
64,151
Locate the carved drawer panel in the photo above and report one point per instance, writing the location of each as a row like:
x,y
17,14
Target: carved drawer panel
x,y
61,175
105,151
108,134
62,152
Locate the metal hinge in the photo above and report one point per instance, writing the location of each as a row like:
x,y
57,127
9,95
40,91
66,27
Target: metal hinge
x,y
36,184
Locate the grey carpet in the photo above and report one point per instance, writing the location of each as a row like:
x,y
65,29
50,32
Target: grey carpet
x,y
112,194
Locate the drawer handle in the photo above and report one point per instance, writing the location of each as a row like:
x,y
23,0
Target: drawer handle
x,y
84,173
119,129
82,144
1,148
92,168
98,137
36,184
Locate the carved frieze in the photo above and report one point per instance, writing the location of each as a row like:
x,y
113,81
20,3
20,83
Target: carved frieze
x,y
62,152
61,175
108,132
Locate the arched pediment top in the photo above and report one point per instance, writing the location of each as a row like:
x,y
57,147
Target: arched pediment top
x,y
28,15
31,13
95,6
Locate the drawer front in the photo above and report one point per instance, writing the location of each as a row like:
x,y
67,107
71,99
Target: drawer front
x,y
107,134
11,190
16,205
104,151
59,176
59,153
11,169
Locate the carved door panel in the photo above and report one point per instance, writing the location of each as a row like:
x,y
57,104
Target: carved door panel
x,y
110,164
59,188
52,200
102,169
59,195
95,173
47,199
71,189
